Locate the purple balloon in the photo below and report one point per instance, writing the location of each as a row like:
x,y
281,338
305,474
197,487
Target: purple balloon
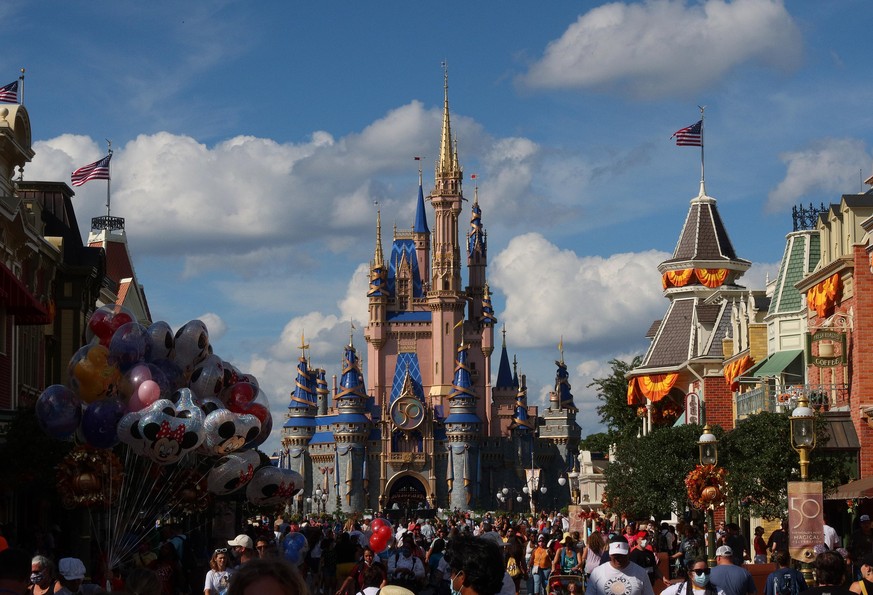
x,y
58,411
130,345
173,372
100,422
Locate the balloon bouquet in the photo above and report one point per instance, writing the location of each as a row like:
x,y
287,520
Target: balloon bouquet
x,y
161,424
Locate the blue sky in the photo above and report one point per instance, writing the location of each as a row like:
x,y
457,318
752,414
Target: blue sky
x,y
251,140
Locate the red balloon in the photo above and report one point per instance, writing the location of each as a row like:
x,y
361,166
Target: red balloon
x,y
378,545
377,523
259,411
240,397
385,532
105,321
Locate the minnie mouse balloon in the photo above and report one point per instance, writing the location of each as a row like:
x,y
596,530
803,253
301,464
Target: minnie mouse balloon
x,y
168,435
58,411
232,472
272,485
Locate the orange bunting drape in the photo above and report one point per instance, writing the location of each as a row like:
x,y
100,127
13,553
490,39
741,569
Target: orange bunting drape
x,y
825,295
735,369
634,396
676,278
711,278
656,386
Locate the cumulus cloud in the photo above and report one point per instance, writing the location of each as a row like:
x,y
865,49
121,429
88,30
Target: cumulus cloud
x,y
593,302
820,173
666,47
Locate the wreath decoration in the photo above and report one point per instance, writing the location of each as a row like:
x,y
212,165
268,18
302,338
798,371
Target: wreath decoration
x,y
705,486
89,477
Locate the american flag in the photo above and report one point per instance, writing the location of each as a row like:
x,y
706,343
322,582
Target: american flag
x,y
99,170
690,136
9,93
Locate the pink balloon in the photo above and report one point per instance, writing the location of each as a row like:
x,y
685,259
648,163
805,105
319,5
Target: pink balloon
x,y
146,393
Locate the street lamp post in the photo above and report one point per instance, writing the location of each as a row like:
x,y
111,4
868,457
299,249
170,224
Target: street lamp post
x,y
803,441
708,446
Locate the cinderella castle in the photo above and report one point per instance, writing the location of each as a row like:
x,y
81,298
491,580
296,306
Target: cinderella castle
x,y
431,427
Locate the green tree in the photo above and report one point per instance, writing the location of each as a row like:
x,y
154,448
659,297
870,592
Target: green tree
x,y
620,420
647,477
760,462
599,442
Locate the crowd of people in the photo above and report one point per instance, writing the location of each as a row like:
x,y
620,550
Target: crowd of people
x,y
495,554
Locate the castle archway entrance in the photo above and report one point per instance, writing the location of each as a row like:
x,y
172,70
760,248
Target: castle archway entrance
x,y
406,495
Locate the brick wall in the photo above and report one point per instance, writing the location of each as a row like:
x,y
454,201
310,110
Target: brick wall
x,y
861,353
719,402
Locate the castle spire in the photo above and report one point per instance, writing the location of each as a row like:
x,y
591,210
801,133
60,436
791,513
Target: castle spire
x,y
420,225
447,155
378,258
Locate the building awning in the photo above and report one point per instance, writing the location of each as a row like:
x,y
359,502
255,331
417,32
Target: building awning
x,y
860,488
775,364
18,300
841,430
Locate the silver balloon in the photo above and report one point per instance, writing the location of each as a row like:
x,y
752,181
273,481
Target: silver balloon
x,y
272,485
171,434
161,337
232,472
207,379
192,346
227,431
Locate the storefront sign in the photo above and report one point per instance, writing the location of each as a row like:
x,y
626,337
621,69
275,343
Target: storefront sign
x,y
830,348
692,409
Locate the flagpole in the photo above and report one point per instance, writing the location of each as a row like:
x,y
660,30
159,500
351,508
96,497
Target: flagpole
x,y
108,178
21,88
702,162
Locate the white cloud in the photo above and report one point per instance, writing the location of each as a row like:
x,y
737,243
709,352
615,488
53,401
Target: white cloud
x,y
216,325
589,300
821,172
665,47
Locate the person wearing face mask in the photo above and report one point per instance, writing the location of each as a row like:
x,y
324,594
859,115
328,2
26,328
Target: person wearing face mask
x,y
476,566
404,568
619,576
42,576
696,581
641,555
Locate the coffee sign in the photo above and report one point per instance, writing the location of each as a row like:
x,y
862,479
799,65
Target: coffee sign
x,y
829,350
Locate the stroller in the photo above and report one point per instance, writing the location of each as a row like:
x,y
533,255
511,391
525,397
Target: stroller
x,y
565,584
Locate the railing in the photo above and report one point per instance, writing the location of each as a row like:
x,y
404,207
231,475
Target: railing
x,y
784,398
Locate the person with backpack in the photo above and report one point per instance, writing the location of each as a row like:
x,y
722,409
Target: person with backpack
x,y
515,564
567,559
728,577
784,580
404,568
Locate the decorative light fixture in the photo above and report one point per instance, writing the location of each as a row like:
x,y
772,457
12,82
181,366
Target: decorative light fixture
x,y
708,445
562,481
803,433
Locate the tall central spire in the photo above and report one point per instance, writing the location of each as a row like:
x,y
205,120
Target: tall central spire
x,y
446,164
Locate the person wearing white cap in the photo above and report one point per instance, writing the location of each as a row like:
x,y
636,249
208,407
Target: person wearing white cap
x,y
243,548
728,577
619,576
